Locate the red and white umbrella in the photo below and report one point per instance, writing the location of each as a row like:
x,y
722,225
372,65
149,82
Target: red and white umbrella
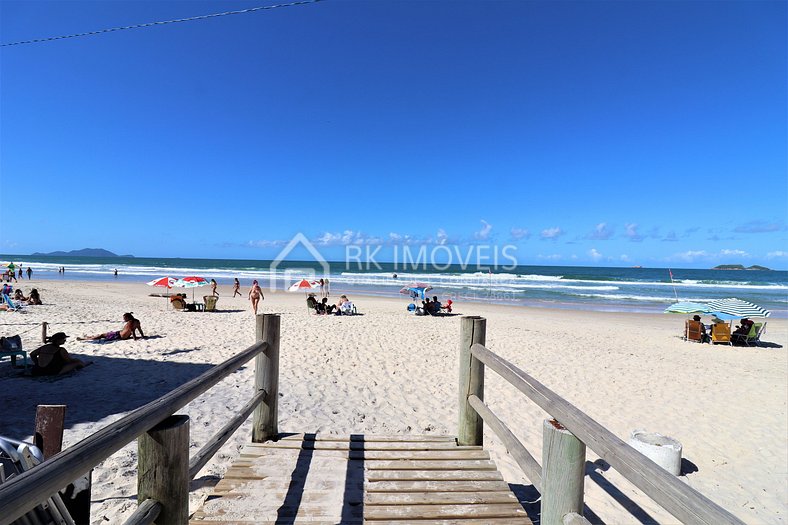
x,y
191,282
163,282
303,285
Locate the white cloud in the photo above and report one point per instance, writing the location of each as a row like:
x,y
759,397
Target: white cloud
x,y
520,233
778,253
632,232
441,237
624,257
346,238
691,255
484,233
266,243
738,253
594,254
602,232
552,233
552,257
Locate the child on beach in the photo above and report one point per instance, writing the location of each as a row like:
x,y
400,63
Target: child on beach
x,y
130,328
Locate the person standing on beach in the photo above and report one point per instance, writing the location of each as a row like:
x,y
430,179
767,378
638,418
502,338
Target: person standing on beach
x,y
213,288
20,273
322,288
29,272
255,295
236,287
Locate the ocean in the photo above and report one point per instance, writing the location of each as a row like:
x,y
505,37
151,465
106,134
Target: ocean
x,y
576,287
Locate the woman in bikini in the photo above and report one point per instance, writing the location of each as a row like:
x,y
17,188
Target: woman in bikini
x,y
130,328
236,287
255,295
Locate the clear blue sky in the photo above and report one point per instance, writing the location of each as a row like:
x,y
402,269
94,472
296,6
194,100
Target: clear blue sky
x,y
603,133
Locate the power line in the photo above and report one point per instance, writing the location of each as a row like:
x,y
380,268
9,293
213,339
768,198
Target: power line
x,y
162,22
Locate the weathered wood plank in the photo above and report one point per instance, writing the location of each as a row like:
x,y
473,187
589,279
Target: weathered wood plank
x,y
466,521
357,445
420,512
436,475
393,454
410,438
436,486
437,498
394,464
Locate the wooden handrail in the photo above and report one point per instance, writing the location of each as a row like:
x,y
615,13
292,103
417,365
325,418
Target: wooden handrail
x,y
531,467
682,501
20,494
198,461
145,514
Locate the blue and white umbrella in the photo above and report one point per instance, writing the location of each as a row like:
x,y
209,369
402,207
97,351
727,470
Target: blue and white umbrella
x,y
686,307
737,309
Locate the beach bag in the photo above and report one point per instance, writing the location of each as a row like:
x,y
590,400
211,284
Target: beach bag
x,y
11,344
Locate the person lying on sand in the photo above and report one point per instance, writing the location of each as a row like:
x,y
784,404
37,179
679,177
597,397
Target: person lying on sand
x,y
130,329
52,359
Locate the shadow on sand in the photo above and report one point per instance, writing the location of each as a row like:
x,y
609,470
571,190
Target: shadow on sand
x,y
107,387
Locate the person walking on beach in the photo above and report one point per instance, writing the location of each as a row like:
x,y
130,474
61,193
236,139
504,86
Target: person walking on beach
x,y
20,273
213,288
236,287
255,295
29,272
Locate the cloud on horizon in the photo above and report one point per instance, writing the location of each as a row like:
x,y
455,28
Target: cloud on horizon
x,y
631,233
519,234
602,232
551,233
760,227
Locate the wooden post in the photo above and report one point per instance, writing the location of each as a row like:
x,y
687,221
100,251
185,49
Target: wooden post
x,y
563,473
49,428
163,469
470,429
44,332
265,424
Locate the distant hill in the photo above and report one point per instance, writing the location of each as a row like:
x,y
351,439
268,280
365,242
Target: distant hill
x,y
739,267
85,252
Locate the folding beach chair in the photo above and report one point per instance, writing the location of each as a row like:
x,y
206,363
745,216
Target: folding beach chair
x,y
11,305
12,347
753,338
693,331
17,457
720,333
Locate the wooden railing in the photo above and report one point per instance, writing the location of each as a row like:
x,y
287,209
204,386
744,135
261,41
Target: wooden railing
x,y
560,477
164,468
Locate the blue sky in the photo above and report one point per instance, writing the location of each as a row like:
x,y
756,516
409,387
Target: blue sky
x,y
602,133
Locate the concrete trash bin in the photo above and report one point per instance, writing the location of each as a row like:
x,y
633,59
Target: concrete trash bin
x,y
662,450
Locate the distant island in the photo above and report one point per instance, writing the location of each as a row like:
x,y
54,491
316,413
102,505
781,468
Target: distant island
x,y
739,267
85,252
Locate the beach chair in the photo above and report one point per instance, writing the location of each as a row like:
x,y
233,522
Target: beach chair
x,y
16,457
11,305
348,308
753,338
178,302
12,347
693,331
311,303
720,333
210,302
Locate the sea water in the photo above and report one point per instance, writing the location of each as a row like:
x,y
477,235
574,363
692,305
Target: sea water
x,y
592,288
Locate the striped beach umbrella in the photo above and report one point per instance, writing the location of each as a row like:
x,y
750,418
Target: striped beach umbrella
x,y
686,307
736,308
191,282
163,282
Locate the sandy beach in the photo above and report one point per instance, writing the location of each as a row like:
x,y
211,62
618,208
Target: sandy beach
x,y
389,372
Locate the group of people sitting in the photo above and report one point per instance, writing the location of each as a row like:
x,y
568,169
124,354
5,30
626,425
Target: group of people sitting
x,y
738,336
19,298
343,307
433,307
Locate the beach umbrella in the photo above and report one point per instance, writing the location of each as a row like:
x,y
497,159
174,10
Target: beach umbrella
x,y
686,307
191,282
163,282
418,289
303,285
737,309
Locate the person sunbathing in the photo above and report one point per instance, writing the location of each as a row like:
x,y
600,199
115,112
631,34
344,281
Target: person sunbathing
x,y
130,328
19,296
34,297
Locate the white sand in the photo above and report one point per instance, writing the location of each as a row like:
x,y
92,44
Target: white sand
x,y
388,372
